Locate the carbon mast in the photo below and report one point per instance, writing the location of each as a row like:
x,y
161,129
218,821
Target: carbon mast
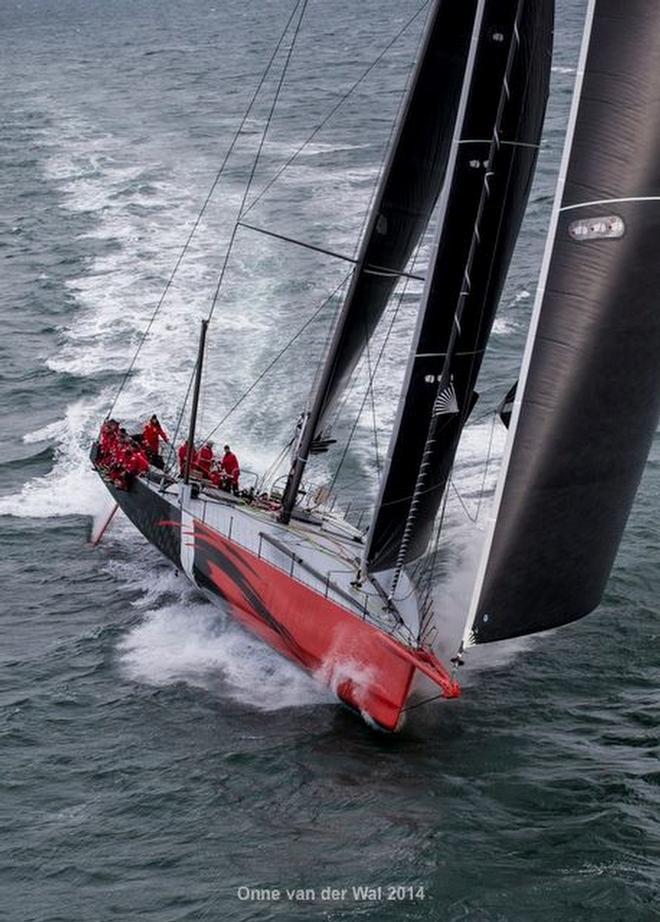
x,y
199,367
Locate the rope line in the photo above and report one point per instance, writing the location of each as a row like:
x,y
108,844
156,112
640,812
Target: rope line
x,y
419,704
371,379
427,574
302,5
201,212
336,107
370,391
400,300
171,456
279,355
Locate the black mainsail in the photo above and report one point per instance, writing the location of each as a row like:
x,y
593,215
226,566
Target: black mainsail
x,y
588,402
407,193
495,150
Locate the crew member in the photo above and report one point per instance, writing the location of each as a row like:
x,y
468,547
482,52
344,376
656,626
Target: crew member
x,y
231,469
216,476
133,463
205,458
117,449
108,437
183,455
152,433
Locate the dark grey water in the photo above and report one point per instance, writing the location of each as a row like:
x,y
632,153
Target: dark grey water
x,y
154,758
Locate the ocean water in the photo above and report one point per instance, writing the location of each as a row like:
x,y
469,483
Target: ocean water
x,y
158,762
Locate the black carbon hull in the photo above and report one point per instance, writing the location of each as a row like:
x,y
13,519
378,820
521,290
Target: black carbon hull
x,y
153,515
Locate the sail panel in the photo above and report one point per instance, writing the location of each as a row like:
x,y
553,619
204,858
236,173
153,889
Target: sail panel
x,y
407,193
510,169
588,403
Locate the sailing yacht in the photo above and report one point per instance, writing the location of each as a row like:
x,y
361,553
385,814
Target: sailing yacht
x,y
342,602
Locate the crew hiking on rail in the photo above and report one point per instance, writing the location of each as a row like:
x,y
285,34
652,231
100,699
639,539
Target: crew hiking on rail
x,y
120,455
123,456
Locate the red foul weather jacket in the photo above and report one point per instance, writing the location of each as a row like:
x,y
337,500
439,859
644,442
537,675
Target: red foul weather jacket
x,y
230,466
205,459
151,435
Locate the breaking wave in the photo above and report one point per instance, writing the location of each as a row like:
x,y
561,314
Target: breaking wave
x,y
182,638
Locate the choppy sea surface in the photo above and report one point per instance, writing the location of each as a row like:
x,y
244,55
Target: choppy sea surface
x,y
155,758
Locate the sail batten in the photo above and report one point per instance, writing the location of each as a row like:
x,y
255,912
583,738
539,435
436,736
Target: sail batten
x,y
588,402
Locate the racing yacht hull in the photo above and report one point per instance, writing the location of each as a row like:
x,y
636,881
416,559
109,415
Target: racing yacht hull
x,y
285,594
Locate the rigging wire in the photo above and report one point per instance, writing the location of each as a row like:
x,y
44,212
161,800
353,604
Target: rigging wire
x,y
269,474
419,704
302,6
390,138
337,106
171,456
400,299
324,350
202,211
427,571
370,385
422,492
279,355
373,407
482,491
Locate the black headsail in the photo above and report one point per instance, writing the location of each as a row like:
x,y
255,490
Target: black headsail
x,y
495,154
588,401
408,191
